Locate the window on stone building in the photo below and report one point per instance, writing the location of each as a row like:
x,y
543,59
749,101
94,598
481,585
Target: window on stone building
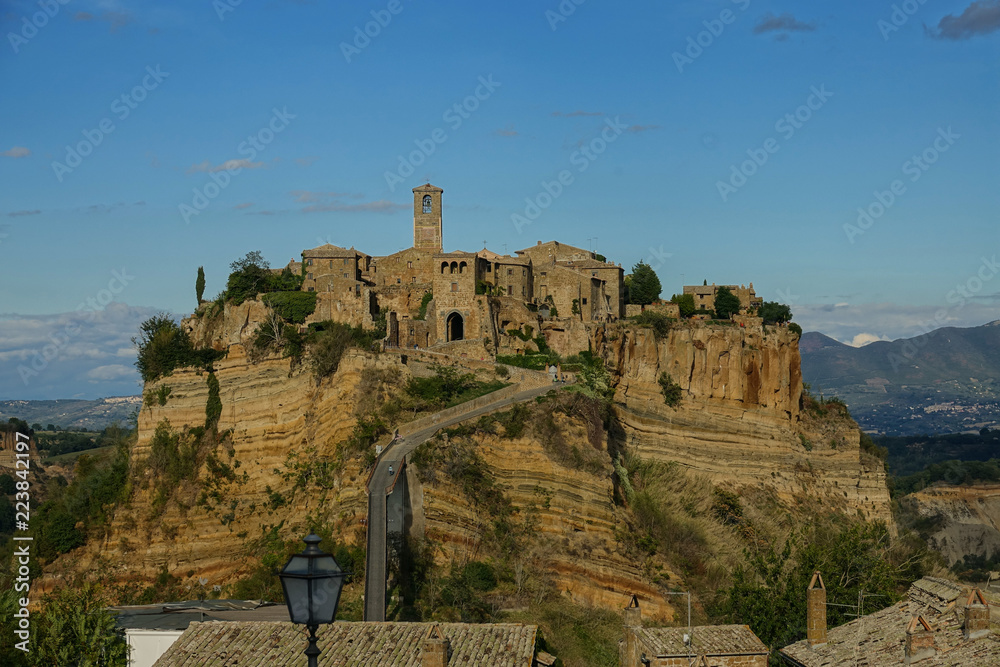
x,y
427,203
310,276
345,261
510,290
311,289
331,263
398,281
489,268
454,287
543,273
409,265
585,301
524,272
309,262
522,290
510,272
413,279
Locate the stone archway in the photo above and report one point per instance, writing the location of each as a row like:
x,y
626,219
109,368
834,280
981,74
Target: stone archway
x,y
455,327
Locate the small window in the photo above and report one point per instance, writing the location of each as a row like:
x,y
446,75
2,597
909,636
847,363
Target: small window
x,y
345,275
585,301
331,263
510,272
522,290
489,268
454,287
311,289
427,203
524,272
309,262
413,279
510,290
411,331
310,276
345,261
409,265
398,281
543,273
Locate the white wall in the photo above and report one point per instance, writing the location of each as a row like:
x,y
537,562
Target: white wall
x,y
148,645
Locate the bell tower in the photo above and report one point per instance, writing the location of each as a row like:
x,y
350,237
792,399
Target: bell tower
x,y
427,218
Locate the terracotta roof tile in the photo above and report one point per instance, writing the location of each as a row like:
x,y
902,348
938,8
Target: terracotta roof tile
x,y
266,644
705,639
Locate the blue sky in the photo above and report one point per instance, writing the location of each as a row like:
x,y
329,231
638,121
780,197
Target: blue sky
x,y
833,100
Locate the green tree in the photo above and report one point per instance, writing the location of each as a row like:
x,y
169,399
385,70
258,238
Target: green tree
x,y
644,285
685,302
199,284
75,629
163,346
774,313
250,275
727,304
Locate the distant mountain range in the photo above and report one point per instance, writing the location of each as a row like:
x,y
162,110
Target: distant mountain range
x,y
944,381
73,414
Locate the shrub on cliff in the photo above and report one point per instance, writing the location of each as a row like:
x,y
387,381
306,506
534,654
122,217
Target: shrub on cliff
x,y
292,307
163,346
773,312
672,392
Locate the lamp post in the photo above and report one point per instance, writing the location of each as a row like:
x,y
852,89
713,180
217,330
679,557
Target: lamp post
x,y
312,582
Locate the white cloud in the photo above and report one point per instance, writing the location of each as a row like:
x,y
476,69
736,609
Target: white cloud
x,y
206,166
17,151
86,353
110,372
863,339
889,321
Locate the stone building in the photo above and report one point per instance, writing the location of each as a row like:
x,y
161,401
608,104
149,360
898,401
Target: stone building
x,y
699,646
704,296
472,295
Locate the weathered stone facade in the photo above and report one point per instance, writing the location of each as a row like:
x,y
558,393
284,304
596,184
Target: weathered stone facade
x,y
474,295
704,296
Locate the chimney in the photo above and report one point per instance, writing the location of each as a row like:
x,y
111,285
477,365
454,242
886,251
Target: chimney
x,y
919,641
816,611
435,648
633,622
977,616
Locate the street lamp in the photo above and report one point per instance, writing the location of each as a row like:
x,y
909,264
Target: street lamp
x,y
312,582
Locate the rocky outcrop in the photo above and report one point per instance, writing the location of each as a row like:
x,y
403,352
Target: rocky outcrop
x,y
959,521
574,523
739,420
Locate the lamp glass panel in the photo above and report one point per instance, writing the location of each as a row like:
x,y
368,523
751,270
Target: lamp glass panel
x,y
297,598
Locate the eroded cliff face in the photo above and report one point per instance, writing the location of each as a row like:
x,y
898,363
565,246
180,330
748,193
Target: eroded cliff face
x,y
271,410
739,420
961,520
575,527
